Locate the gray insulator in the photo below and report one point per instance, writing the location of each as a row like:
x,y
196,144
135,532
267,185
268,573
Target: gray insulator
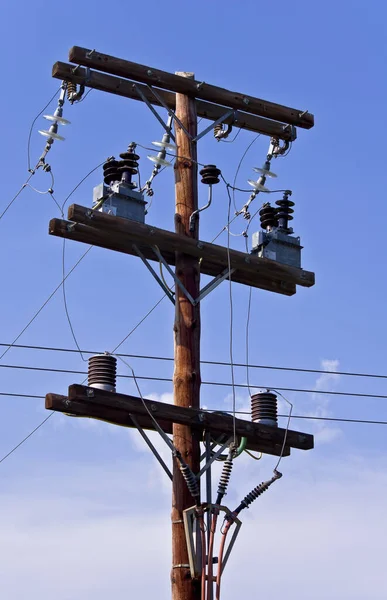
x,y
224,479
102,372
257,491
264,408
190,480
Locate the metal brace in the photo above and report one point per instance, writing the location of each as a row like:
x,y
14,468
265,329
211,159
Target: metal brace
x,y
151,446
211,459
189,516
153,272
217,122
207,288
154,111
171,113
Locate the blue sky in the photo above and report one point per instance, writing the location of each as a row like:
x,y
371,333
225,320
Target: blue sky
x,y
72,485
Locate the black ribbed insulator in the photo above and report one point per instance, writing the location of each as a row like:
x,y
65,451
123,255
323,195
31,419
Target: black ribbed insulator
x,y
190,480
284,211
264,408
110,172
102,372
210,174
224,479
257,491
268,217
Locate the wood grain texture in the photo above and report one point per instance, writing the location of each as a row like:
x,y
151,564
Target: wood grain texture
x,y
166,414
126,88
186,376
190,87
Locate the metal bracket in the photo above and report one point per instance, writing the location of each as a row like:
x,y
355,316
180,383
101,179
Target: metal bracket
x,y
153,272
154,111
151,446
171,113
217,122
190,526
207,288
211,459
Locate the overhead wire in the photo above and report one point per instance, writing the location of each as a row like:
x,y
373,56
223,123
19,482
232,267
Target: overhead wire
x,y
239,167
26,438
31,171
207,362
238,412
231,313
209,383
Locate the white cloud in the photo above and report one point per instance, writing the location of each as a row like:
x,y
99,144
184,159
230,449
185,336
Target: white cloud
x,y
319,404
94,532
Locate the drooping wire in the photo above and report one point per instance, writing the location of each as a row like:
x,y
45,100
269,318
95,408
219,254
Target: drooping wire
x,y
233,139
27,436
186,471
287,428
80,183
31,171
44,303
63,261
231,315
138,324
84,97
239,167
16,195
247,340
65,302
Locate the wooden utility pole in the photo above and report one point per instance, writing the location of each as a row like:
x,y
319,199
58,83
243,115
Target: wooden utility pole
x,y
186,380
187,98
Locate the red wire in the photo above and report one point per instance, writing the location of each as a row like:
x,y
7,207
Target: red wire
x,y
210,553
203,544
220,559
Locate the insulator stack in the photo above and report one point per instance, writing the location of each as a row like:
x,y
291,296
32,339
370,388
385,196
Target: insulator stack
x,y
218,131
264,408
190,480
102,372
210,174
268,217
110,172
128,166
284,211
224,479
257,491
71,91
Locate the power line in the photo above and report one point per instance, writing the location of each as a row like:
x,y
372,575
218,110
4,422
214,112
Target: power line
x,y
313,418
26,438
44,304
206,362
16,195
215,383
238,412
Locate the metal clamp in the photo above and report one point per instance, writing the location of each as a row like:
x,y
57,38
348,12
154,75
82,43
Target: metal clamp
x,y
207,288
153,110
217,122
153,272
190,526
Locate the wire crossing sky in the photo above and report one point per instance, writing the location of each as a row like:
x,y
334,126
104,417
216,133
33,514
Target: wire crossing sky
x,y
85,485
